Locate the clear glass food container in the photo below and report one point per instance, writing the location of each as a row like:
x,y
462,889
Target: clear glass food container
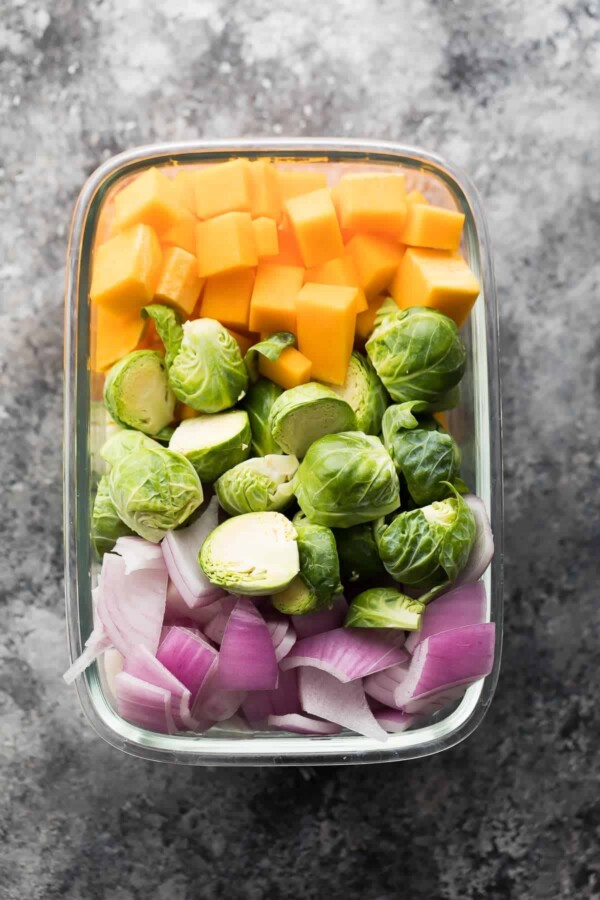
x,y
475,423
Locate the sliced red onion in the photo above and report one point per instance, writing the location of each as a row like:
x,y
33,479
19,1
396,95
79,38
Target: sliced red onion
x,y
394,720
143,665
144,704
132,607
302,724
247,658
285,645
216,704
278,625
465,605
382,686
318,622
215,628
259,705
139,554
112,664
348,653
444,665
96,644
188,657
482,550
177,609
180,550
324,696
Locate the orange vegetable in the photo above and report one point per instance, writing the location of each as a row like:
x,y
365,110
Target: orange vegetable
x,y
181,234
365,321
225,244
178,284
291,369
115,336
265,235
437,279
432,226
273,304
376,259
372,202
126,270
264,189
416,197
183,411
150,199
227,298
288,254
244,341
150,339
223,188
293,182
183,184
326,317
315,227
339,271
442,419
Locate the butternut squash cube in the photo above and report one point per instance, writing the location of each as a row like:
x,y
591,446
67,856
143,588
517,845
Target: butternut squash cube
x,y
376,259
225,244
273,304
225,187
436,279
265,235
293,182
150,199
372,202
126,269
339,271
315,227
181,234
244,341
288,253
289,370
416,197
432,226
227,298
326,316
179,285
183,411
264,189
365,321
114,336
183,184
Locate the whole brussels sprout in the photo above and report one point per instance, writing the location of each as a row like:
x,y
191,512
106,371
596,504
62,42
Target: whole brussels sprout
x,y
257,485
346,479
384,608
319,579
364,392
208,372
137,393
427,548
418,354
257,403
357,550
106,524
305,413
154,490
424,454
213,444
123,443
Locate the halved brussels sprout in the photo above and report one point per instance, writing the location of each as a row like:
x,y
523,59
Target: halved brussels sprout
x,y
385,608
358,554
213,444
168,326
303,414
124,442
106,524
137,393
319,579
257,403
418,354
254,554
346,479
364,392
154,490
296,599
257,485
208,372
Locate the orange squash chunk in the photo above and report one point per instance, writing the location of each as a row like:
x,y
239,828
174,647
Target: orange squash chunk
x,y
376,259
432,226
182,233
244,341
288,253
293,182
442,418
183,411
183,184
126,269
340,271
150,199
265,235
225,244
315,226
416,197
227,298
273,304
372,202
326,317
223,188
365,321
115,336
179,285
264,189
436,279
289,370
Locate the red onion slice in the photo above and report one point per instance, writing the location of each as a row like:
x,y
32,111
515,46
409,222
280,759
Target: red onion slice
x,y
482,550
394,720
465,605
382,686
141,664
180,549
96,644
139,554
348,653
177,609
324,696
324,620
187,656
247,658
144,704
284,700
215,704
285,645
302,724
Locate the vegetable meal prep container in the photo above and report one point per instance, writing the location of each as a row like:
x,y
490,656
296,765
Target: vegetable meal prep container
x,y
475,424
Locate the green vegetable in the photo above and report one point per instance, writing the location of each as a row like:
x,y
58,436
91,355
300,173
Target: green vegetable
x,y
106,524
271,348
168,326
418,354
296,599
253,554
385,608
427,548
208,372
364,392
124,442
137,392
213,444
346,479
426,455
357,550
257,403
303,414
154,490
319,579
257,485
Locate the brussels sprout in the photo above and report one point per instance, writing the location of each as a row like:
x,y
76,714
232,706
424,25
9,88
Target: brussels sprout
x,y
214,443
271,348
426,455
357,550
168,326
319,579
257,403
124,442
154,490
364,392
384,608
257,485
426,548
418,354
208,372
106,524
137,392
346,479
303,414
253,554
296,599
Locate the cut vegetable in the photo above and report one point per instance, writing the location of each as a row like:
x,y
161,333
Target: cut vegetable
x,y
382,686
247,658
213,444
137,394
187,657
126,270
435,279
289,370
432,226
482,551
227,298
181,548
302,724
178,283
293,182
225,244
139,554
384,608
257,485
394,720
322,620
149,199
340,271
144,704
324,696
264,190
273,303
326,321
466,605
376,259
347,654
265,235
144,665
315,225
365,393
365,321
270,348
183,186
115,336
303,414
372,202
222,188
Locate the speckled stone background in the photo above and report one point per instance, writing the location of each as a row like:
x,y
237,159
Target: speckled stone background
x,y
509,90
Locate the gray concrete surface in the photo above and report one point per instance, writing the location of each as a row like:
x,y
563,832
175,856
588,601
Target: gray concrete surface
x,y
509,91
